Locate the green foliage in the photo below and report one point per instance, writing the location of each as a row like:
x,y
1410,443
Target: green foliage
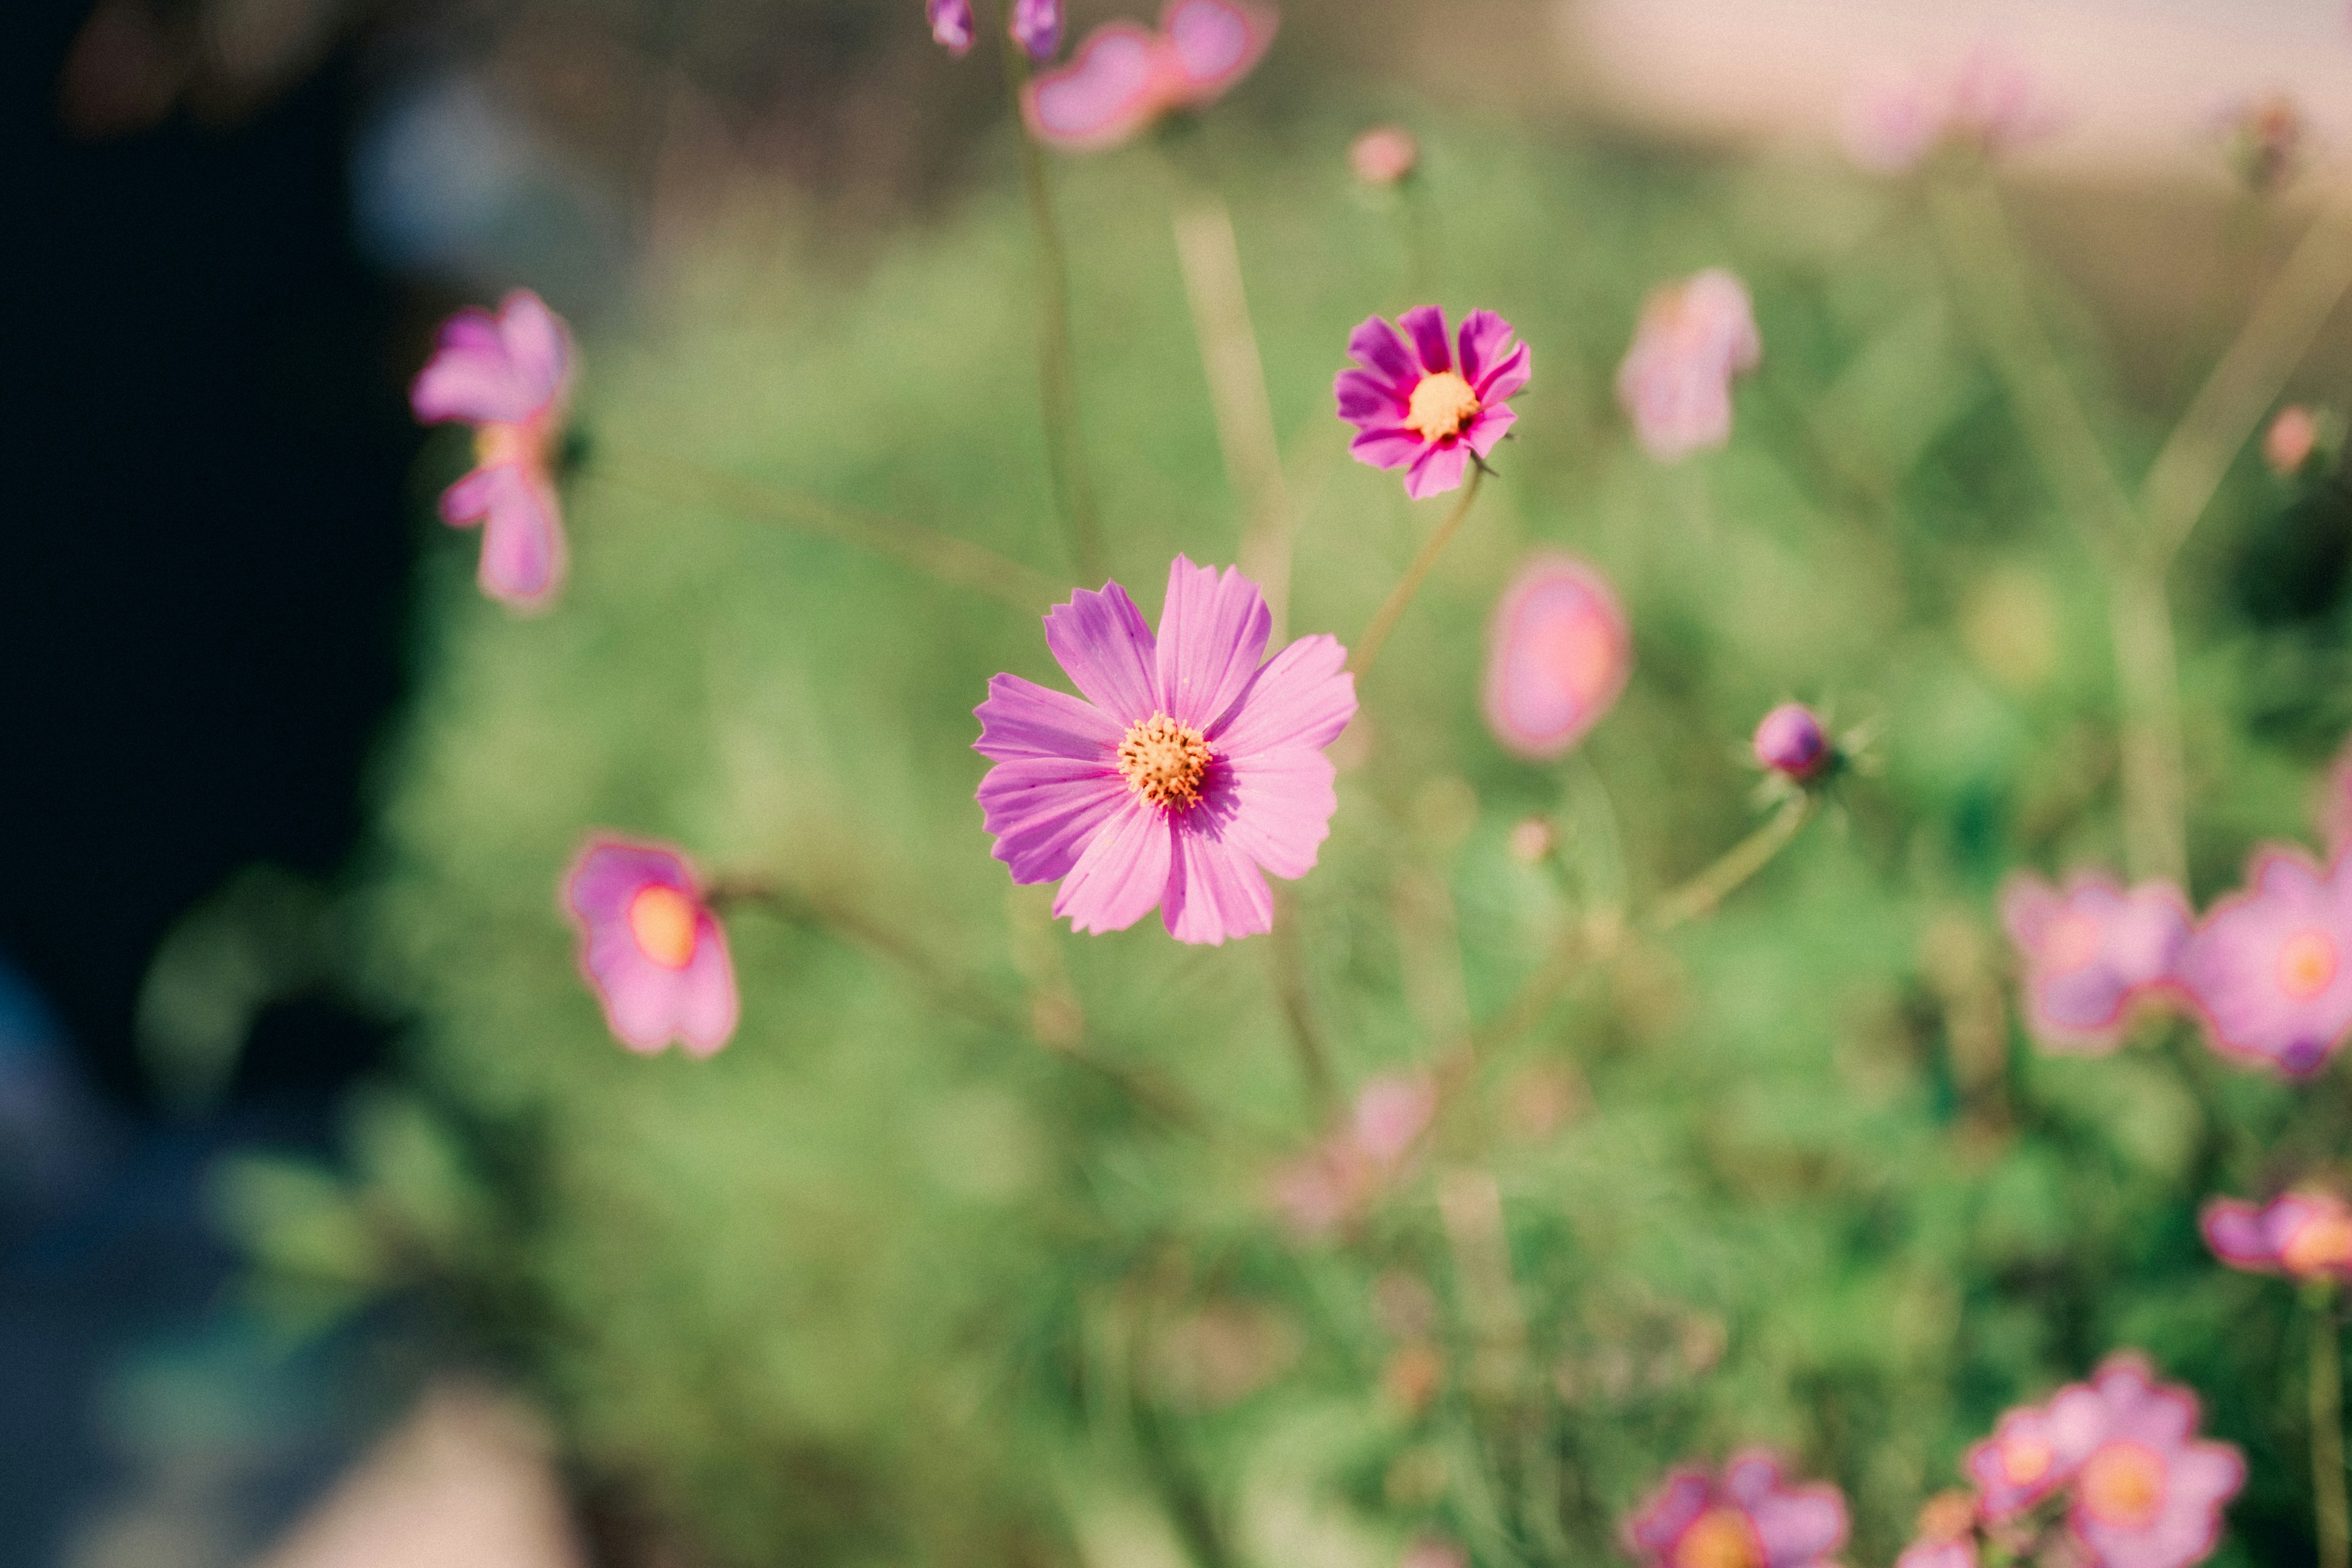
x,y
881,1283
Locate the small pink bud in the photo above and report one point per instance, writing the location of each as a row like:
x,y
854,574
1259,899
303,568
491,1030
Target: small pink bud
x,y
2287,446
1790,742
1384,155
1532,841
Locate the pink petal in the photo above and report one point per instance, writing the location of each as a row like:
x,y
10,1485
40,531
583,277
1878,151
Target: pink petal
x,y
1036,27
522,536
1486,431
1213,891
640,996
1558,656
1123,872
1105,648
1212,43
1045,811
1507,379
1799,1526
537,345
950,25
1388,449
1439,468
1481,340
1276,807
703,1004
1303,696
1107,93
1376,346
1667,1512
1212,632
1426,327
1367,398
1023,718
471,377
609,871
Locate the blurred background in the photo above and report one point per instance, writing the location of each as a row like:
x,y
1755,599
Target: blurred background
x,y
237,223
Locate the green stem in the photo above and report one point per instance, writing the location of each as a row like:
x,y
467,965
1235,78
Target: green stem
x,y
2328,1508
1065,453
2154,785
1384,620
1288,962
1735,865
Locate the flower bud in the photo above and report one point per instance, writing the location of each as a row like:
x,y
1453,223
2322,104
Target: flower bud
x,y
1791,742
2287,445
1532,841
1384,155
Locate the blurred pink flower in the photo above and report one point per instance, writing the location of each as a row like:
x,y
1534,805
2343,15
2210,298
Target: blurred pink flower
x,y
1422,409
1675,383
2270,968
950,25
1338,1180
1988,102
510,376
1790,742
1384,155
1187,766
1947,1538
2287,445
2304,1236
1748,1519
2017,1466
649,946
1036,27
2146,1493
1960,1553
1557,655
2090,952
1124,76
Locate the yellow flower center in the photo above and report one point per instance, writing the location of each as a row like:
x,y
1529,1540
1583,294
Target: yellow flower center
x,y
2123,1484
1164,762
1442,404
1719,1538
662,920
2306,962
2321,1242
495,444
2024,1460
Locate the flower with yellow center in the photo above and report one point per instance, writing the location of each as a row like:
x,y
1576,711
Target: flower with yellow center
x,y
662,920
1719,1538
2025,1460
2320,1245
2306,962
2122,1484
1164,762
1442,404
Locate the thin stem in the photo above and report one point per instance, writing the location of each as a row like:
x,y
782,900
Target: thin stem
x,y
1287,962
939,555
2155,784
1742,860
1065,451
2328,1508
1384,620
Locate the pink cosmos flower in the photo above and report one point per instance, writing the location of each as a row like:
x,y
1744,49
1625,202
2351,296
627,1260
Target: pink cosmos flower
x,y
510,376
1676,382
2147,1492
1748,1519
1557,655
2270,969
2303,1235
1341,1177
2090,952
1124,76
1187,766
650,947
1989,100
2020,1465
950,25
1791,742
1036,27
1423,409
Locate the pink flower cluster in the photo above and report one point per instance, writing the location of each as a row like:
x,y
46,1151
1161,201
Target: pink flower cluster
x,y
2121,1453
1124,77
1694,337
1337,1182
1747,1517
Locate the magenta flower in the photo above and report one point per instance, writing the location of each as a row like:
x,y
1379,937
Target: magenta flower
x,y
950,25
649,946
2267,968
510,376
1187,767
1791,742
1676,382
1422,409
1748,1519
2303,1235
2146,1493
1036,27
1557,655
1124,77
2090,952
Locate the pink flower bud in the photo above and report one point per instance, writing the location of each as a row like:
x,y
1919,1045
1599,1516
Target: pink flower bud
x,y
1790,742
1384,155
2288,444
1532,841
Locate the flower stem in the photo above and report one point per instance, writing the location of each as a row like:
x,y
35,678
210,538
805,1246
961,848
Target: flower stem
x,y
1384,620
1064,455
1288,962
2328,1508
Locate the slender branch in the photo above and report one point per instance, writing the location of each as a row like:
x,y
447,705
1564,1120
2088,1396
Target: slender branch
x,y
1237,395
1064,449
1392,609
2229,406
939,555
2328,1508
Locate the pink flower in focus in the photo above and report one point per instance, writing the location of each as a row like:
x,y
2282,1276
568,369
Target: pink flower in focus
x,y
1036,27
1384,155
1186,767
2090,952
2019,1465
1791,742
2270,968
2146,1493
950,25
2303,1235
1748,1519
1989,101
650,947
1421,408
1675,383
1123,76
1557,655
1339,1180
510,376
2287,445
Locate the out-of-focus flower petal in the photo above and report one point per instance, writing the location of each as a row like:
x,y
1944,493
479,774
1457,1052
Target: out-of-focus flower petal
x,y
1559,652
